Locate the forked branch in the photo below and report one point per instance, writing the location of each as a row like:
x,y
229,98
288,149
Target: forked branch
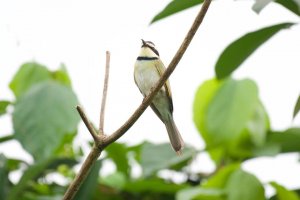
x,y
101,141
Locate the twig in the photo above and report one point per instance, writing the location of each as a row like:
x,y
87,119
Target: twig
x,y
100,141
146,102
104,93
83,173
87,123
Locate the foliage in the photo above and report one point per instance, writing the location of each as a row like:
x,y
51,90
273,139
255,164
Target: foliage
x,y
228,114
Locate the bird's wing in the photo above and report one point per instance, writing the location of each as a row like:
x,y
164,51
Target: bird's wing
x,y
161,69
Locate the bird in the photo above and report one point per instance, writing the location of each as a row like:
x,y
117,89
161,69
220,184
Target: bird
x,y
148,69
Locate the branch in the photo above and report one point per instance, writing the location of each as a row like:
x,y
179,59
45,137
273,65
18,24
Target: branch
x,y
147,100
104,94
101,141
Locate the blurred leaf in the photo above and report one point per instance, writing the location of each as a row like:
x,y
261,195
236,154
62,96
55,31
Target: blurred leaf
x,y
242,185
6,138
155,157
4,181
258,125
28,75
224,120
35,171
268,149
284,194
174,7
201,194
61,75
239,50
116,180
118,153
292,5
46,114
3,106
203,97
153,186
90,184
288,140
220,179
260,4
297,107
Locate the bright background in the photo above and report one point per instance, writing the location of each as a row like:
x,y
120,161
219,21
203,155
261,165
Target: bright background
x,y
77,33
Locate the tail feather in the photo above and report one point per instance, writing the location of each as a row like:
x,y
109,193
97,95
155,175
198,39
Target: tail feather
x,y
174,136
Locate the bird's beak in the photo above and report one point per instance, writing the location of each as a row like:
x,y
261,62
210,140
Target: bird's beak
x,y
143,41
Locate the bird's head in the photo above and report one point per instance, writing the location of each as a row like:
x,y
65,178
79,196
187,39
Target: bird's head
x,y
148,48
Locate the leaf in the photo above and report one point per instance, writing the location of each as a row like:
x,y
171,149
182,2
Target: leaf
x,y
242,185
296,108
61,75
43,117
4,181
116,180
203,97
288,140
229,111
239,50
175,6
28,75
35,171
153,186
3,106
200,193
292,5
156,157
90,184
118,153
260,4
220,179
283,194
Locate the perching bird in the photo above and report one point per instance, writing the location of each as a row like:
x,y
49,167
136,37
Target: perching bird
x,y
147,71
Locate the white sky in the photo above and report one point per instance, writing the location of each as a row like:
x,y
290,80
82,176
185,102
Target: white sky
x,y
77,33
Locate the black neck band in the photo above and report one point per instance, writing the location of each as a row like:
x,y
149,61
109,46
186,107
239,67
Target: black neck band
x,y
146,58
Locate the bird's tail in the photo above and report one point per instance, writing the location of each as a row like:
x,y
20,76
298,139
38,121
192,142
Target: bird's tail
x,y
174,136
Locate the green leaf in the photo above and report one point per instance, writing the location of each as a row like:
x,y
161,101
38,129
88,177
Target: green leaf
x,y
153,186
260,4
6,138
288,140
116,180
43,117
220,179
156,157
242,185
238,51
201,194
35,171
292,5
3,106
90,184
4,181
28,75
118,153
174,7
229,111
297,107
61,75
203,97
283,194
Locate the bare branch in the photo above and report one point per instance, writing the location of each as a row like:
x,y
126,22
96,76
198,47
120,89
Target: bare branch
x,y
82,174
147,100
88,124
104,94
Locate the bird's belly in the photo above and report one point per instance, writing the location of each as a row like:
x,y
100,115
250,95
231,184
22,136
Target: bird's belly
x,y
146,77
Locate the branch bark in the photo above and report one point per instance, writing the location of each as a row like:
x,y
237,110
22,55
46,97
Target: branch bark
x,y
101,141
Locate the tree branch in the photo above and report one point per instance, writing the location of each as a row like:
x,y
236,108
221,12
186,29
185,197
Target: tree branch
x,y
100,140
147,100
104,93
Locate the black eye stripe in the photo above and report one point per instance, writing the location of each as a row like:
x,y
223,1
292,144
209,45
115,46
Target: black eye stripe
x,y
153,49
